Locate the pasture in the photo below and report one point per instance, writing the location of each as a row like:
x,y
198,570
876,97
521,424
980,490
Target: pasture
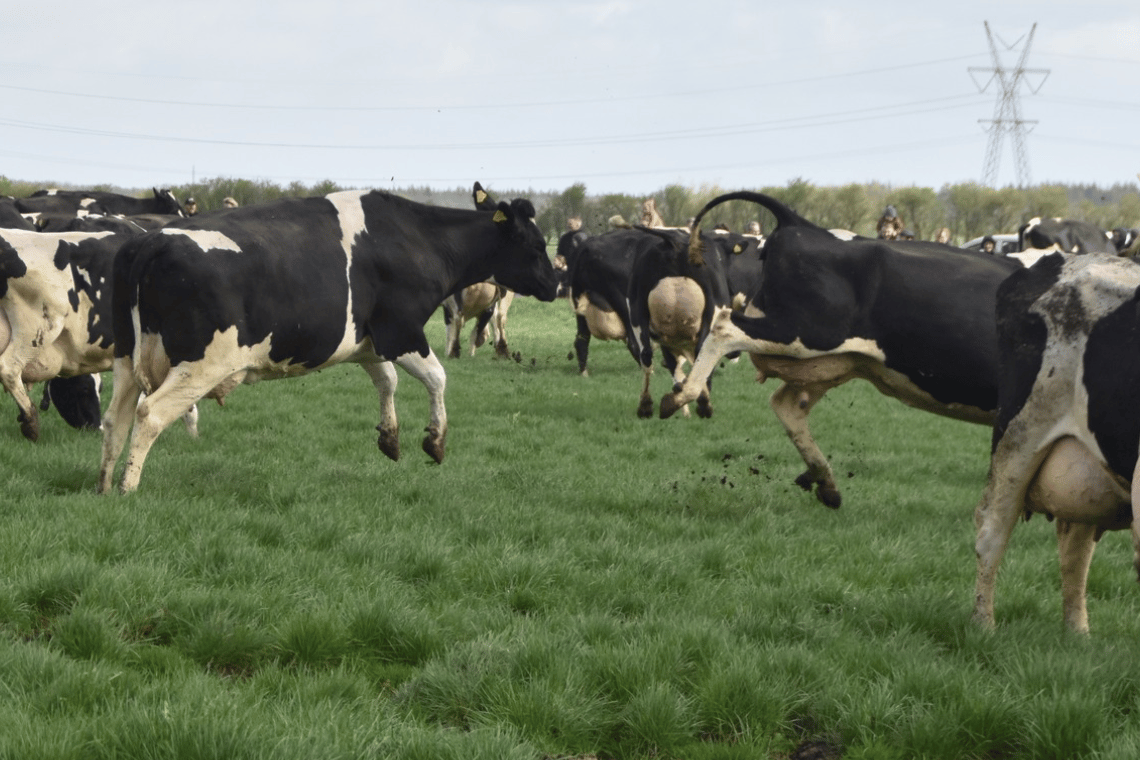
x,y
572,582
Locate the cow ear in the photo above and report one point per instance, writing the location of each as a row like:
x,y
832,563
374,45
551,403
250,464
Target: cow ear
x,y
503,214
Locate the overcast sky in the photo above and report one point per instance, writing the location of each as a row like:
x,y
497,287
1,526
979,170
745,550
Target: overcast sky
x,y
622,95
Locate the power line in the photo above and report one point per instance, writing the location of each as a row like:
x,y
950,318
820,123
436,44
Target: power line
x,y
1007,110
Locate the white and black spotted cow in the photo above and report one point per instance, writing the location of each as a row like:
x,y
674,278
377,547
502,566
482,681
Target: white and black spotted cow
x,y
84,202
1067,432
281,289
55,321
914,318
1064,235
485,302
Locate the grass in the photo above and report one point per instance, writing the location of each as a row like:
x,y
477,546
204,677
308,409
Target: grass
x,y
571,582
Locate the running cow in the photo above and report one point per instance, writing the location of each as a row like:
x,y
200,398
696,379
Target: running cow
x,y
1065,440
916,319
281,289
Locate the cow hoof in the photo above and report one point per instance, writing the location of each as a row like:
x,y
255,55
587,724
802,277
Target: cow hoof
x,y
389,443
704,407
805,481
645,408
29,426
829,496
433,444
669,406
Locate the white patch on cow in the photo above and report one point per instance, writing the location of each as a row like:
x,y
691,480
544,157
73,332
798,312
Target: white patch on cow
x,y
350,215
731,338
603,325
207,240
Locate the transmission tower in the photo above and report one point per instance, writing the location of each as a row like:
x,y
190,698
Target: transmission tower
x,y
1007,110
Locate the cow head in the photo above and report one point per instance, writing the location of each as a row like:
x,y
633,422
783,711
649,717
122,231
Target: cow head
x,y
167,203
521,263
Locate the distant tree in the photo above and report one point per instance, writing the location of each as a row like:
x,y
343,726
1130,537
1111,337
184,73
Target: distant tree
x,y
1046,201
842,207
674,203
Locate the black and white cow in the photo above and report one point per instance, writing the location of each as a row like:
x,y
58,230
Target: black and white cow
x,y
1067,432
55,317
914,318
486,303
671,303
281,289
10,216
1064,235
83,202
1126,240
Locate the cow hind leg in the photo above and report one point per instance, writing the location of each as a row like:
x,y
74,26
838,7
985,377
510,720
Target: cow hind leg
x,y
117,419
1076,543
384,377
792,405
179,391
429,371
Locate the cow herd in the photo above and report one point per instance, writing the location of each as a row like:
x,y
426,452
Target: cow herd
x,y
182,308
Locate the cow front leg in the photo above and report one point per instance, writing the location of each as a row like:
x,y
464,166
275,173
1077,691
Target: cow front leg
x,y
384,378
792,405
429,371
1076,543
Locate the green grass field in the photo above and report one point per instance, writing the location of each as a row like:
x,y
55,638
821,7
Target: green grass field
x,y
572,582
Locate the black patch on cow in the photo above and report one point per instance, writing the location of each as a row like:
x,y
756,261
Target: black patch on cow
x,y
77,400
1022,336
1111,376
11,265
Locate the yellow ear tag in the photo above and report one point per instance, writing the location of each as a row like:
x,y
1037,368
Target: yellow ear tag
x,y
499,217
480,196
738,249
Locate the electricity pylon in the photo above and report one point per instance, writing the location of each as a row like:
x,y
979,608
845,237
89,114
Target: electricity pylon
x,y
1007,110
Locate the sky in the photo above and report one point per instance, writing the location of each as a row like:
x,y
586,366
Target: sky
x,y
623,96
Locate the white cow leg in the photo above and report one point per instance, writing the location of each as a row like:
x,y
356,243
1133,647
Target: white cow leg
x,y
171,400
384,377
117,419
792,405
1002,503
429,371
29,417
1076,543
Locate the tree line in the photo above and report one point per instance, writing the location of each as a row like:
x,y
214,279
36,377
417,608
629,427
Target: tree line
x,y
969,210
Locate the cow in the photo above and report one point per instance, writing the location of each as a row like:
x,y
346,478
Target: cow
x,y
55,321
915,318
1126,240
671,302
486,303
285,288
1065,235
11,218
83,202
1065,440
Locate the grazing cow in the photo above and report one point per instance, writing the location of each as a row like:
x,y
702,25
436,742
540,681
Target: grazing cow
x,y
82,202
281,289
1066,436
485,302
1064,235
76,399
916,319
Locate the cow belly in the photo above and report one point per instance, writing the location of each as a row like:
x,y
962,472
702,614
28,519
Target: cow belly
x,y
675,308
604,325
1073,485
478,297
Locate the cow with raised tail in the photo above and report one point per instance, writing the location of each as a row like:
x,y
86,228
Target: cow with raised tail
x,y
916,319
1067,432
281,289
